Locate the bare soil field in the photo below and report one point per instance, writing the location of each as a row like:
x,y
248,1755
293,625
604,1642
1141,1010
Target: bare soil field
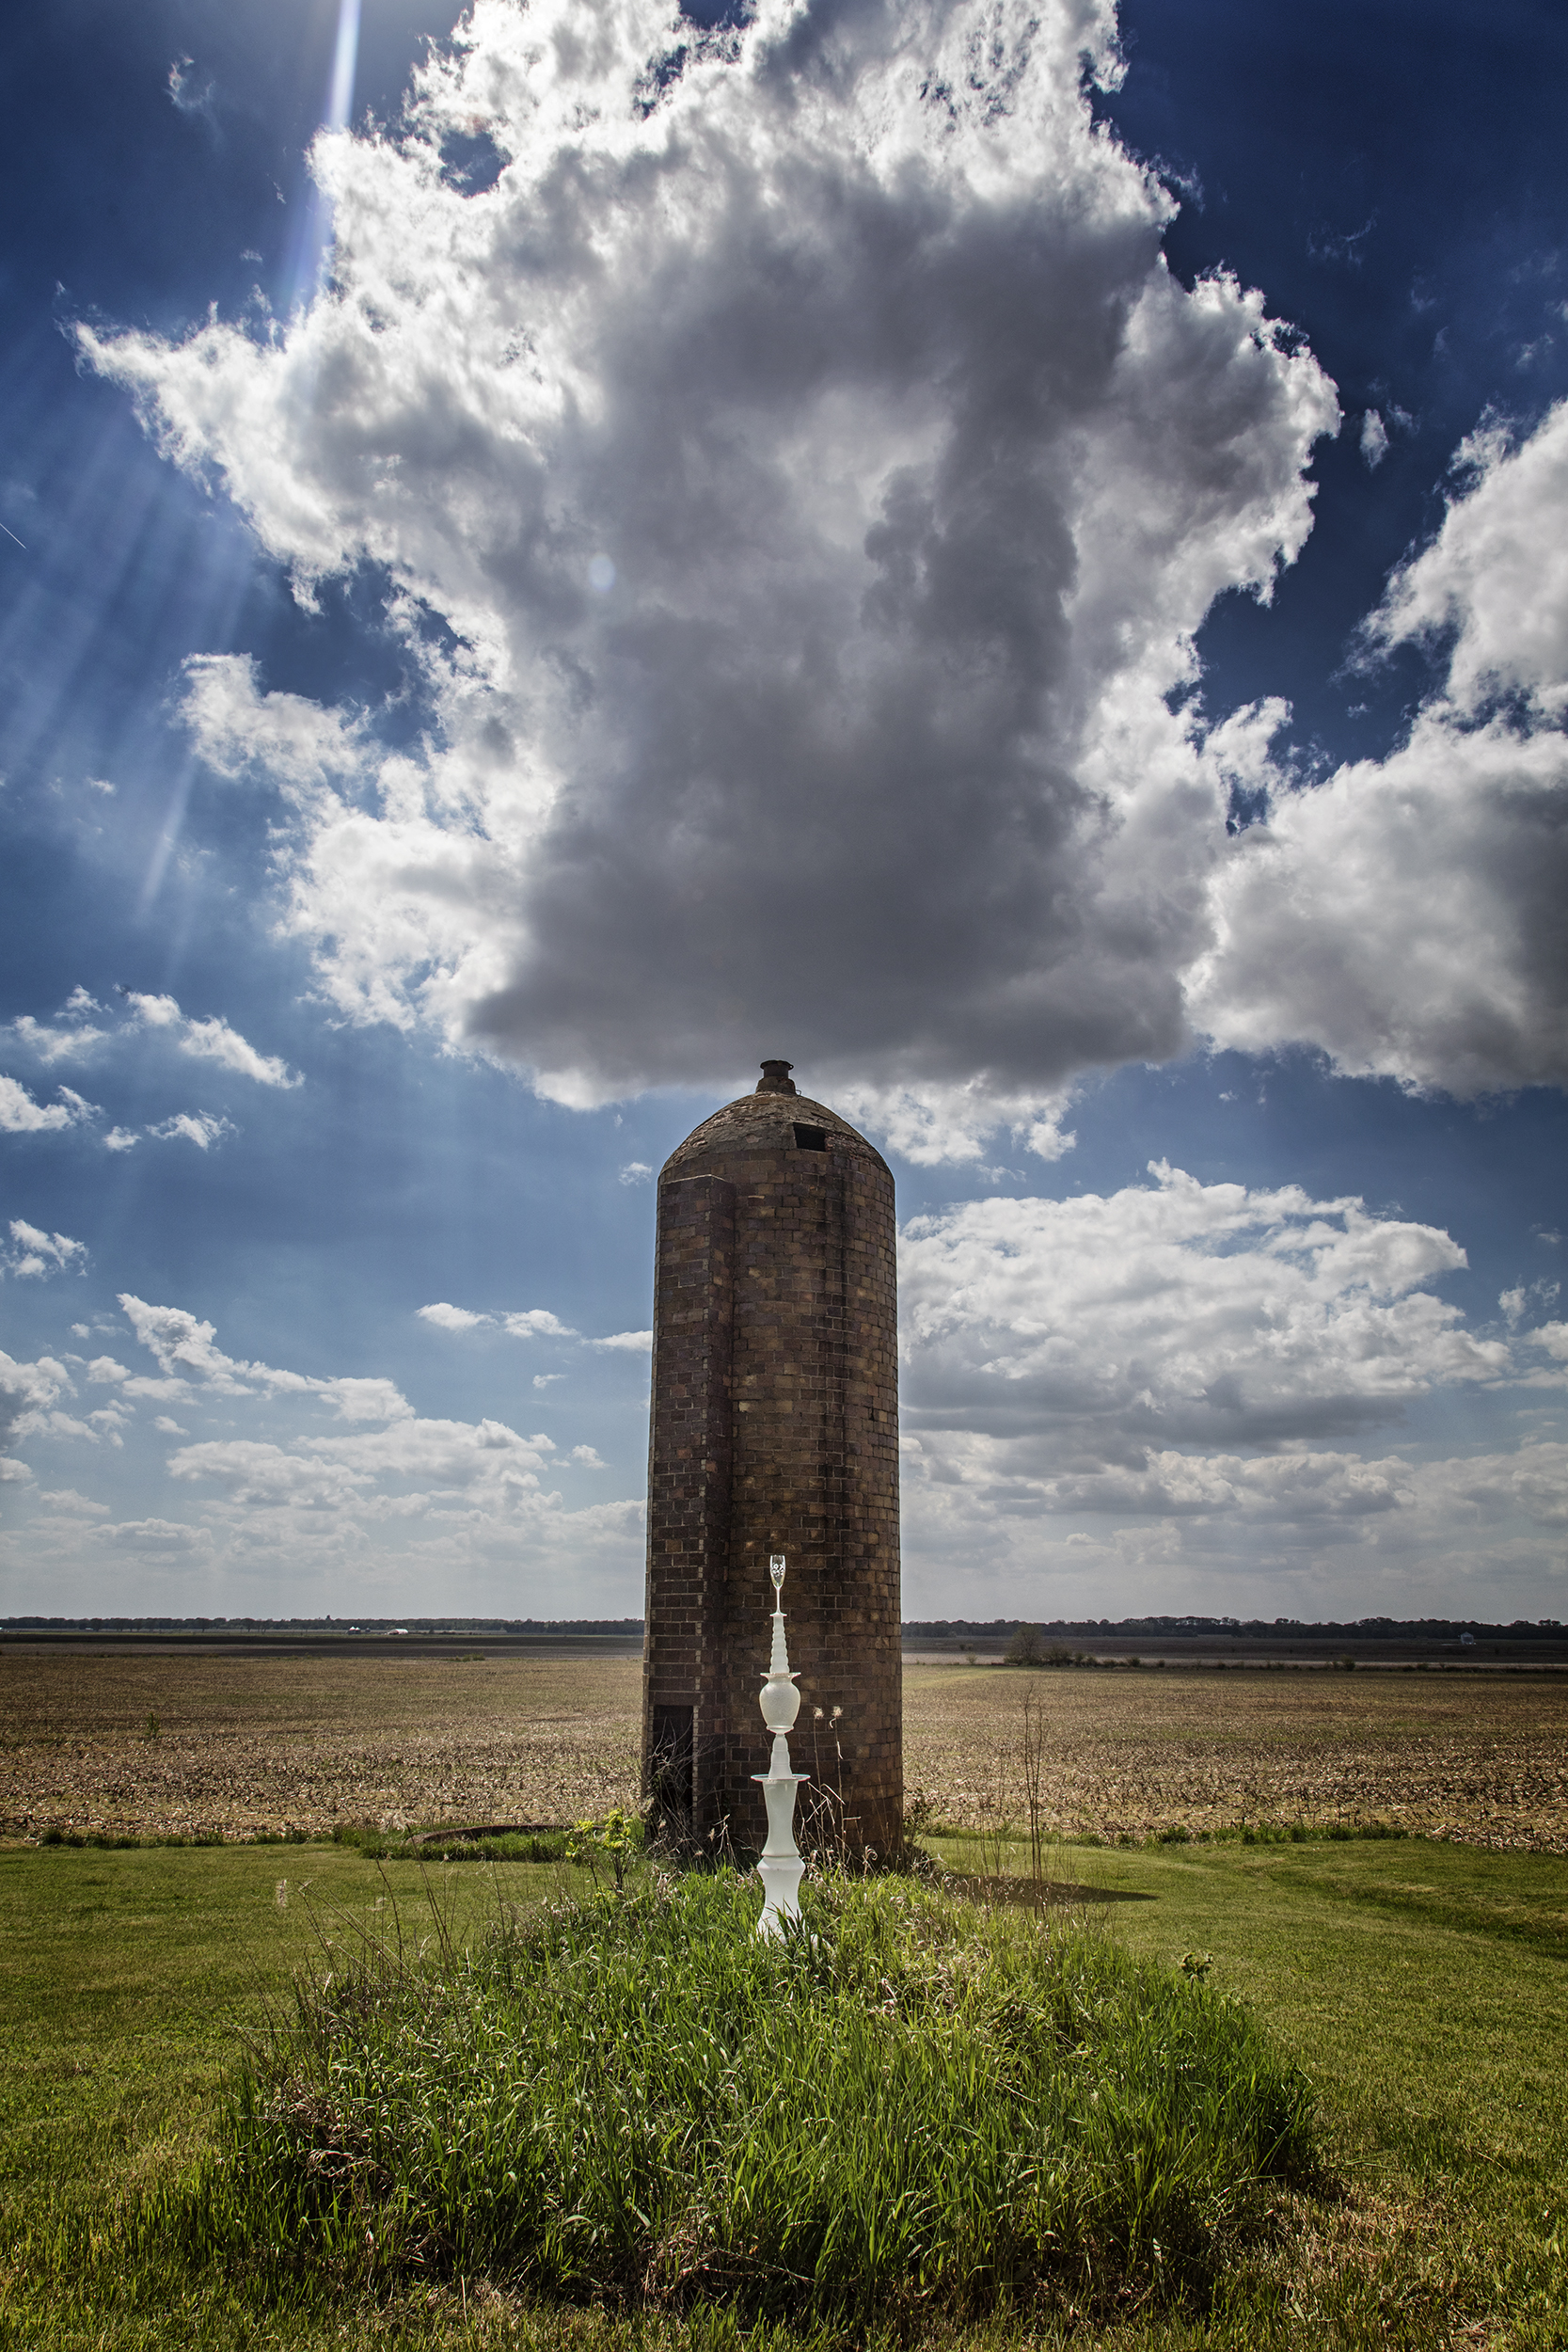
x,y
244,1745
159,1744
1481,1757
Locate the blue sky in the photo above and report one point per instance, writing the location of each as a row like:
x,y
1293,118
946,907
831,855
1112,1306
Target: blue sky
x,y
1021,568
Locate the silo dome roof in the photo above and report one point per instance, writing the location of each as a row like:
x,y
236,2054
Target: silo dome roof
x,y
766,1121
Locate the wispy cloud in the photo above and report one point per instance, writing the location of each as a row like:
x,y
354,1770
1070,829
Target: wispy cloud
x,y
212,1040
528,1323
203,1128
192,92
76,1032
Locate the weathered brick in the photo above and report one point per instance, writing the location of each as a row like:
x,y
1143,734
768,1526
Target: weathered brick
x,y
775,1428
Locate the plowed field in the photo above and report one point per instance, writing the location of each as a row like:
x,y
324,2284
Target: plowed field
x,y
271,1743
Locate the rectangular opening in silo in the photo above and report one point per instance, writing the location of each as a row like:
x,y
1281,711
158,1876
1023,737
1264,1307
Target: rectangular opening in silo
x,y
670,1764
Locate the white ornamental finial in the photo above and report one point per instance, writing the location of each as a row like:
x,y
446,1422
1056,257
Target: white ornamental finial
x,y
779,1662
781,1866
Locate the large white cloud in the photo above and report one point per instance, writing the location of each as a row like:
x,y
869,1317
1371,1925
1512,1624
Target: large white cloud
x,y
1177,1314
820,479
1410,916
1178,1386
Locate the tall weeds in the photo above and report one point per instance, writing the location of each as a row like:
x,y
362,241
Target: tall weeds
x,y
632,2097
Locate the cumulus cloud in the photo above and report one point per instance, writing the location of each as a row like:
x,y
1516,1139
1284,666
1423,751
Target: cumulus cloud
x,y
29,1394
366,1400
1496,577
366,1481
1336,1532
189,1357
536,1323
56,1044
107,1372
155,1539
66,1499
1408,915
186,1352
449,1318
19,1115
254,1471
73,1031
1098,1331
36,1254
932,1124
1183,1378
821,480
456,1486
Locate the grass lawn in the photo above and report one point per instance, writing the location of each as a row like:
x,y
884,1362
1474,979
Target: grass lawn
x,y
1422,1987
124,1977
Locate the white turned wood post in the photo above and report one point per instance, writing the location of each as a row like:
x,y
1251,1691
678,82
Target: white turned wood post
x,y
781,1866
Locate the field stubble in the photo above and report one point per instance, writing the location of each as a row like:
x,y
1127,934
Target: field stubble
x,y
245,1746
1482,1757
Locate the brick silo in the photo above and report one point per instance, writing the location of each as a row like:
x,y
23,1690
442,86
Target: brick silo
x,y
774,1428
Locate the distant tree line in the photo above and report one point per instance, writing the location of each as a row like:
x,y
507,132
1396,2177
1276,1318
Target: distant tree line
x,y
994,1632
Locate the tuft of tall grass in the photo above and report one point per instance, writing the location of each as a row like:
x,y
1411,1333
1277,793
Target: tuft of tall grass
x,y
632,2097
458,1845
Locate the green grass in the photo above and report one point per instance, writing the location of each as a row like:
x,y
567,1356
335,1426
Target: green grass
x,y
428,1847
1424,1989
123,1978
1421,1988
909,2106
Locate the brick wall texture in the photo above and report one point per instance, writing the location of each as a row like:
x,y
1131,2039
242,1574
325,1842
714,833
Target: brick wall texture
x,y
774,1428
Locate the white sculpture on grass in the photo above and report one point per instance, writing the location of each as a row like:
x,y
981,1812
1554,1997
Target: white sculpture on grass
x,y
781,1866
